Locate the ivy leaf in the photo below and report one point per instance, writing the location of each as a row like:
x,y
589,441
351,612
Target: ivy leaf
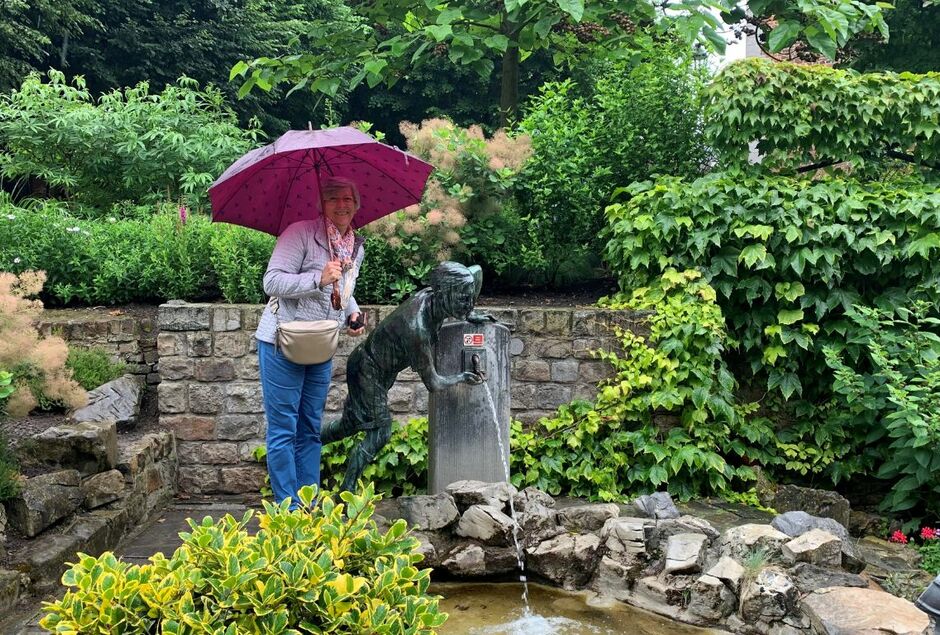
x,y
789,316
753,254
783,35
658,475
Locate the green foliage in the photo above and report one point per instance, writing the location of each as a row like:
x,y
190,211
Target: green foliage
x,y
914,44
802,114
889,395
6,385
9,473
125,146
327,569
930,556
788,257
633,120
622,444
92,367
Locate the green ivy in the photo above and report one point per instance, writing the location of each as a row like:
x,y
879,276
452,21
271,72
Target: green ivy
x,y
805,114
667,419
788,257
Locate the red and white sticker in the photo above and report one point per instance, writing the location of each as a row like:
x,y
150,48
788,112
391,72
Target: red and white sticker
x,y
473,339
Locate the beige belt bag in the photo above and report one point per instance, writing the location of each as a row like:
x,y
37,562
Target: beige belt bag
x,y
306,341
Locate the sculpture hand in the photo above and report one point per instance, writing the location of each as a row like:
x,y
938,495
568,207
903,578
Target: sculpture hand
x,y
471,378
480,318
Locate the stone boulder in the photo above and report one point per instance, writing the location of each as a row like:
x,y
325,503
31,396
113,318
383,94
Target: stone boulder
x,y
568,559
624,538
3,531
469,493
45,500
816,502
658,505
797,523
473,560
587,518
844,610
89,447
815,547
427,512
711,599
685,553
531,496
117,400
614,579
769,597
103,488
810,577
659,531
729,572
738,542
487,524
537,524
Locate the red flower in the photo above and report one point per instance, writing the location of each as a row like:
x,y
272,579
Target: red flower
x,y
929,533
899,537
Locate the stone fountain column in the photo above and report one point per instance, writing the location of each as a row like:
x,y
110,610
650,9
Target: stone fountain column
x,y
462,441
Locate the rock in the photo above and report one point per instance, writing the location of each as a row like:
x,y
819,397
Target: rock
x,y
469,493
625,538
728,571
658,505
864,523
613,579
844,610
809,577
684,553
473,560
711,599
44,559
426,549
815,547
12,586
89,447
738,542
3,529
585,518
882,558
103,488
797,523
661,530
529,496
117,400
654,594
538,524
816,502
568,559
487,524
428,512
769,597
45,499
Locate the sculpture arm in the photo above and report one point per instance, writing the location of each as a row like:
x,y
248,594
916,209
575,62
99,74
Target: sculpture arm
x,y
434,381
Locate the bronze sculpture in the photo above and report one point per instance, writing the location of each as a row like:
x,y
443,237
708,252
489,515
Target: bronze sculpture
x,y
404,339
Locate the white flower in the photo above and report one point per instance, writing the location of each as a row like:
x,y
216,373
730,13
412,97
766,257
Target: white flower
x,y
11,217
16,260
112,219
73,229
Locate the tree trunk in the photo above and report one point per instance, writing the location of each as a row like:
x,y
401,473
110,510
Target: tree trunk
x,y
64,51
509,92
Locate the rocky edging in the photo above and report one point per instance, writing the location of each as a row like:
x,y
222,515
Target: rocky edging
x,y
98,491
797,575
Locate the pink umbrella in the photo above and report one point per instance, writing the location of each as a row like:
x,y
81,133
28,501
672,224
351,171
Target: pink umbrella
x,y
278,184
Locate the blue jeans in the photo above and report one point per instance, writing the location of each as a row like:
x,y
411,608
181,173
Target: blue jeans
x,y
294,397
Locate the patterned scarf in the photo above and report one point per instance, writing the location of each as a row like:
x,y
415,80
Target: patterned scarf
x,y
342,245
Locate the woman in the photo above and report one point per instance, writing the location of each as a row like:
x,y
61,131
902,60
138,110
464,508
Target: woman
x,y
312,274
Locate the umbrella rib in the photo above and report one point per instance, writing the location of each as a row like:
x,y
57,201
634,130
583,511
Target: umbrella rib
x,y
383,172
291,181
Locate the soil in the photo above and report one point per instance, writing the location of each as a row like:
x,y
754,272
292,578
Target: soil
x,y
585,294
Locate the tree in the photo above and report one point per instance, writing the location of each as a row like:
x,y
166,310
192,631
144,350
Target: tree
x,y
914,45
391,36
29,31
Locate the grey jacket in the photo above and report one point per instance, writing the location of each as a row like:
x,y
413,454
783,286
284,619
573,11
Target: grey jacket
x,y
293,276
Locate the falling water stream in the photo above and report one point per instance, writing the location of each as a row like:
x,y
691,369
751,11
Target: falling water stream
x,y
504,459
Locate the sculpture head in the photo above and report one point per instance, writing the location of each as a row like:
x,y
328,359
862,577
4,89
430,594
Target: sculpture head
x,y
455,288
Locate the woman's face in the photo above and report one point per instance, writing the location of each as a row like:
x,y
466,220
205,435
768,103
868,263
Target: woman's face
x,y
340,207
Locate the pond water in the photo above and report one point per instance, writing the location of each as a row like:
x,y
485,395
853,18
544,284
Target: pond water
x,y
497,609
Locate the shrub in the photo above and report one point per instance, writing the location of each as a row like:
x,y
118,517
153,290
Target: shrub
x,y
126,145
889,398
92,367
40,376
788,257
9,472
639,118
326,570
621,444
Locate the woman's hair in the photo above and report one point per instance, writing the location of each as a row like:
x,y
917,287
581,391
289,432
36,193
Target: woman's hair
x,y
335,183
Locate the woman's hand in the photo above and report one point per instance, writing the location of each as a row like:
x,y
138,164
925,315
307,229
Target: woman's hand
x,y
354,318
332,272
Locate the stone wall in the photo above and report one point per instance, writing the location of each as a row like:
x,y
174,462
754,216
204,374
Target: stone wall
x,y
210,396
127,336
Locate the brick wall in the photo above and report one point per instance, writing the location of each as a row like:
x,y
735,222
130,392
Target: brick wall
x,y
210,397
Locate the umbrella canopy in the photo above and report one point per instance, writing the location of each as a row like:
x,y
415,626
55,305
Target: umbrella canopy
x,y
278,184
